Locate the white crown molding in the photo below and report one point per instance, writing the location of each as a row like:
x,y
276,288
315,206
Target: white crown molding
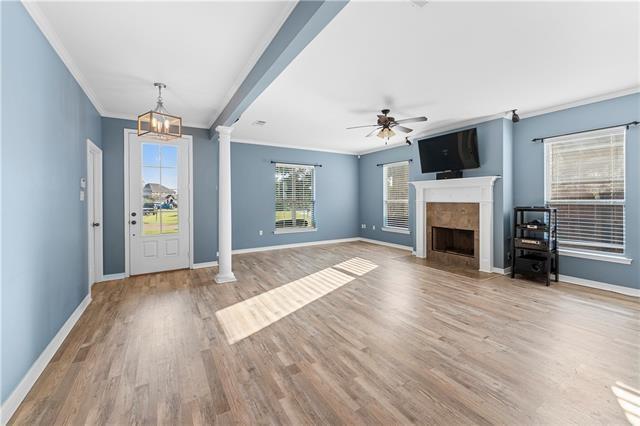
x,y
507,116
14,400
47,30
580,102
306,148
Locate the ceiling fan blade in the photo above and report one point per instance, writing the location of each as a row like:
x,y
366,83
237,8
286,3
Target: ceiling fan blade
x,y
402,128
359,127
373,131
412,120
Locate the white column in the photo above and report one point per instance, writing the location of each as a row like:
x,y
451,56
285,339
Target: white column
x,y
225,274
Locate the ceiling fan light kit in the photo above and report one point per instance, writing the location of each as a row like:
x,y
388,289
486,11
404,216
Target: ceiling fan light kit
x,y
158,123
385,126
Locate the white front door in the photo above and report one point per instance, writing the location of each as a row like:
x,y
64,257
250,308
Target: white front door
x,y
159,205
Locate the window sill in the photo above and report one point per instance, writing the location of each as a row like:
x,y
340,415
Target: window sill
x,y
596,256
294,230
396,230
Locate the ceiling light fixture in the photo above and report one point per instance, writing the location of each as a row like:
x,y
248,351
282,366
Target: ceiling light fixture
x,y
515,117
158,123
386,133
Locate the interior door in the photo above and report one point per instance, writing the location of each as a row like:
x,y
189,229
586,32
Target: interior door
x,y
94,211
159,203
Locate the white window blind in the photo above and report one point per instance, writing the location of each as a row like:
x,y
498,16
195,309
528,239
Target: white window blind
x,y
585,181
295,197
396,195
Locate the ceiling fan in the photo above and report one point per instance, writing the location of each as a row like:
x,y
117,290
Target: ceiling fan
x,y
385,125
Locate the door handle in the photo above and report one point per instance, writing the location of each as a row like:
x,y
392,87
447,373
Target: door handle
x,y
94,224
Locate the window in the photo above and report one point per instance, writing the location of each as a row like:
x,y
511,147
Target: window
x,y
585,181
396,196
160,189
295,198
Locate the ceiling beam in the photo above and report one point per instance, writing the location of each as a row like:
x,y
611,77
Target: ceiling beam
x,y
305,21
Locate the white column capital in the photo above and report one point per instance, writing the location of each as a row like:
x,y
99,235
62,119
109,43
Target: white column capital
x,y
224,130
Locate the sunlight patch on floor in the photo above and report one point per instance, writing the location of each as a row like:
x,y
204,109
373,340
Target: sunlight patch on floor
x,y
249,316
629,400
357,266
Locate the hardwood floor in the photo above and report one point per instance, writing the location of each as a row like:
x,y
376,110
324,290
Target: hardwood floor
x,y
396,343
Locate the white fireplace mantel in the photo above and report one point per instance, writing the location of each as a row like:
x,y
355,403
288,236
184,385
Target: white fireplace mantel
x,y
466,190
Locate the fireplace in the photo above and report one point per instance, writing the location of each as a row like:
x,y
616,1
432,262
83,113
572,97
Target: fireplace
x,y
451,240
452,234
460,192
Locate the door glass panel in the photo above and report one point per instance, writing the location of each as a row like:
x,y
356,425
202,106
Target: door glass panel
x,y
151,155
160,189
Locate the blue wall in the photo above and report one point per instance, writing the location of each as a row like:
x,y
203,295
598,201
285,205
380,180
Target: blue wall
x,y
252,182
494,146
529,177
46,119
205,193
253,203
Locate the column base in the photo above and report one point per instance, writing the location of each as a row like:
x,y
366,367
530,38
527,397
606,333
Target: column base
x,y
225,278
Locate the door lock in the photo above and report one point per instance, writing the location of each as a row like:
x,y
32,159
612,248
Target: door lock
x,y
133,214
94,224
133,222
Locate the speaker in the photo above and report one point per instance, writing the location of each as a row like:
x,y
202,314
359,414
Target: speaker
x,y
530,263
455,174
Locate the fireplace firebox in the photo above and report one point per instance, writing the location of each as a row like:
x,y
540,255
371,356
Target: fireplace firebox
x,y
451,240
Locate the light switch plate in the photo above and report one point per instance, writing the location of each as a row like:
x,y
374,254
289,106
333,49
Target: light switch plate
x,y
81,195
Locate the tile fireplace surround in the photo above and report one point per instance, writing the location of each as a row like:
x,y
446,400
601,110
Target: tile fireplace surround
x,y
466,190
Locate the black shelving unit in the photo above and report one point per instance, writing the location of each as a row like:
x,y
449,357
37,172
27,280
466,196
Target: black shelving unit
x,y
534,249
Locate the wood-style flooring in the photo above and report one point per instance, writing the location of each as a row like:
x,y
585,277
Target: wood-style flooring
x,y
397,343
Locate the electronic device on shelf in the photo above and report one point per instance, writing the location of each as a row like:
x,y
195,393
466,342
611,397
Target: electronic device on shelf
x,y
534,250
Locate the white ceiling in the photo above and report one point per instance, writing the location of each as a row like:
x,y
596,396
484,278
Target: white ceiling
x,y
201,50
452,61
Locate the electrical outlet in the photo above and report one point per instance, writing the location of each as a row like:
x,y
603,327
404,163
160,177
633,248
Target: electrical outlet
x,y
260,232
374,227
363,226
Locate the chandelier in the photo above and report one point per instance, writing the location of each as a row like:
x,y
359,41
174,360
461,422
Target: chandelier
x,y
158,123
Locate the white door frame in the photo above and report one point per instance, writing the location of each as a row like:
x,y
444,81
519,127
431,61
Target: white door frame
x,y
94,239
188,139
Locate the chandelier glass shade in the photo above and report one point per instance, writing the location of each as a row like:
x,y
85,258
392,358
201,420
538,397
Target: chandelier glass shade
x,y
158,123
386,133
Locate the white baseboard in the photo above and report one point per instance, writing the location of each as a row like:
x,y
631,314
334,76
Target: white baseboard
x,y
205,264
502,271
600,285
384,243
286,246
20,392
111,277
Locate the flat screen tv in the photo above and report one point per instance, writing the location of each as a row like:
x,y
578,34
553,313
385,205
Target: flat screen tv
x,y
454,151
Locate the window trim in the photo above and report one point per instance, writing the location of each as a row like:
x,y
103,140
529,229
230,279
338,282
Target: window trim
x,y
297,229
586,254
385,227
396,230
614,258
